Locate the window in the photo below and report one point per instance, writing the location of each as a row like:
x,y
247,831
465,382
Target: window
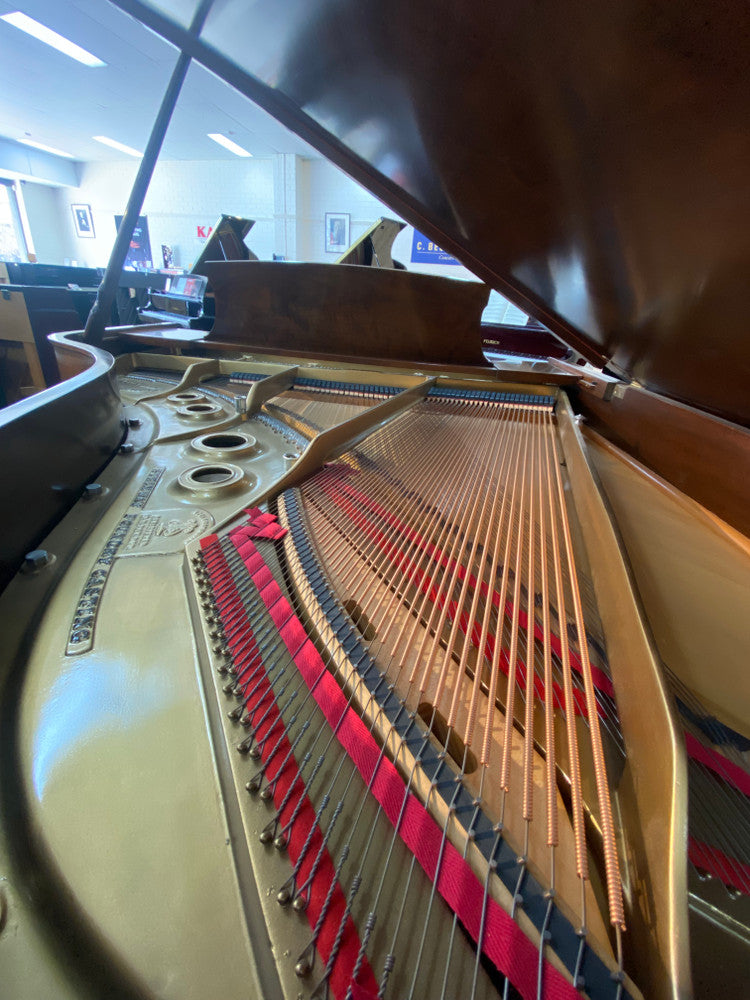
x,y
12,242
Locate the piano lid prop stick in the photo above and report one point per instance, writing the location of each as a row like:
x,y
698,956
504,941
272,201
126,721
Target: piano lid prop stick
x,y
100,313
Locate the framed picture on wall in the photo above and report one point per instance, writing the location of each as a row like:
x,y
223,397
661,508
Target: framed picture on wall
x,y
84,221
337,232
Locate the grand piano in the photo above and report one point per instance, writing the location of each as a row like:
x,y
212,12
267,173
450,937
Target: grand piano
x,y
339,662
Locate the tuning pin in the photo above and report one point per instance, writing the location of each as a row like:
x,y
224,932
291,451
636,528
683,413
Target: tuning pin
x,y
284,895
254,783
305,961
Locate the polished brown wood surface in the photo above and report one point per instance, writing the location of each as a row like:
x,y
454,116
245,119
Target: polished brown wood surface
x,y
348,311
591,162
527,341
705,457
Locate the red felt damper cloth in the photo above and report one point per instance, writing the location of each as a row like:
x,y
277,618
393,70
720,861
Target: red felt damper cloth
x,y
289,788
502,941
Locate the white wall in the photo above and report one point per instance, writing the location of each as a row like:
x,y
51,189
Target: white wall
x,y
45,221
182,196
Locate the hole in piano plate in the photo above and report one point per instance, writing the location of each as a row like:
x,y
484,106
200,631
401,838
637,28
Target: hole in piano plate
x,y
221,442
457,750
211,474
213,479
230,442
186,397
200,411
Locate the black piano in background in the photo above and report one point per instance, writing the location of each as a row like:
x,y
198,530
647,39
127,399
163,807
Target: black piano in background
x,y
186,298
53,275
205,668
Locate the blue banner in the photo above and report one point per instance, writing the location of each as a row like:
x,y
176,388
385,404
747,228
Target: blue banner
x,y
424,251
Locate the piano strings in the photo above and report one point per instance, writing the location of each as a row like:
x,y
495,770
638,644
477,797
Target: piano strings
x,y
446,537
492,509
310,408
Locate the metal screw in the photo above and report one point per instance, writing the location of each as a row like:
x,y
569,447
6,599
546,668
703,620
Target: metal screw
x,y
36,560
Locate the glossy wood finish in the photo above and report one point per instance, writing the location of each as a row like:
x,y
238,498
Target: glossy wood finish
x,y
348,311
591,163
527,341
707,458
52,444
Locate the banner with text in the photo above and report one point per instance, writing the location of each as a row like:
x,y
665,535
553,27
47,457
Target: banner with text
x,y
424,251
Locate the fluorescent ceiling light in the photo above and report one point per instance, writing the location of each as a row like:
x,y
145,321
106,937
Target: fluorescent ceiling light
x,y
228,144
46,149
50,37
120,146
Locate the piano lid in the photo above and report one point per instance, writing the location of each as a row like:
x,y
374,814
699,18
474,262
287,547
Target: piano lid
x,y
590,161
